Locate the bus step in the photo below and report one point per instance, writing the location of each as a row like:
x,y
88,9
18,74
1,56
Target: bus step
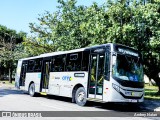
x,y
43,93
95,100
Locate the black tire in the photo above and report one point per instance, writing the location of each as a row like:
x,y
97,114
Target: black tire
x,y
81,96
31,90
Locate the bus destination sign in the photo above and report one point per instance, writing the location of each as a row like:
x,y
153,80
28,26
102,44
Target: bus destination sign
x,y
125,51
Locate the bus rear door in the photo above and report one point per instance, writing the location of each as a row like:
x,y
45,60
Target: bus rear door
x,y
45,75
23,73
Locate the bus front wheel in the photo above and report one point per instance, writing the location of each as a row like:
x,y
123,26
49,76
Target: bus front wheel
x,y
80,96
32,90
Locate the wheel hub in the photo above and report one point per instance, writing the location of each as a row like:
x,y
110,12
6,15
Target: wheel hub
x,y
81,96
31,89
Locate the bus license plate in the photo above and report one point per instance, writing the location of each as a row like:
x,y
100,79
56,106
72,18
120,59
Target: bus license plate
x,y
134,101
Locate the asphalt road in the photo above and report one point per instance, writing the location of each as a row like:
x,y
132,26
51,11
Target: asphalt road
x,y
16,100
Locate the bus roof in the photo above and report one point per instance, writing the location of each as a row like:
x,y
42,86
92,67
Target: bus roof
x,y
64,52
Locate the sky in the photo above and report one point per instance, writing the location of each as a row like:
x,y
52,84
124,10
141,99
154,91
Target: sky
x,y
17,14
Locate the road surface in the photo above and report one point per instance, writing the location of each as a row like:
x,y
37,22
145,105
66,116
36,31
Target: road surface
x,y
17,100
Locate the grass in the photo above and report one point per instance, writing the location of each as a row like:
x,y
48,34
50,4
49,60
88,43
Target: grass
x,y
151,92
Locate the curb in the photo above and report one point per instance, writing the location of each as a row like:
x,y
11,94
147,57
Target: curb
x,y
157,109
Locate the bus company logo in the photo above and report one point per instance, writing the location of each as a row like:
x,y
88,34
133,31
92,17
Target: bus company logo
x,y
56,78
52,77
67,78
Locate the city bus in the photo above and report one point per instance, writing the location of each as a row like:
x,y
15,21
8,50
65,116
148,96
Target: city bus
x,y
102,73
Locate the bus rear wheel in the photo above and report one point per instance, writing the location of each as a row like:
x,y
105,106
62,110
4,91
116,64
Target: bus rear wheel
x,y
80,96
31,90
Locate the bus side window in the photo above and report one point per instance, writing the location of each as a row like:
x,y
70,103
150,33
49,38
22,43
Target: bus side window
x,y
85,61
52,64
38,64
58,63
107,63
30,66
73,62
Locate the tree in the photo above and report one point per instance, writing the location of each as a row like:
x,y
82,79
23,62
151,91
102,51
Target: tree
x,y
137,25
70,27
9,41
133,23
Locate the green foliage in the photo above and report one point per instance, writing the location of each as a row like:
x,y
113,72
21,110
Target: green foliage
x,y
138,26
151,92
70,27
10,49
133,23
9,43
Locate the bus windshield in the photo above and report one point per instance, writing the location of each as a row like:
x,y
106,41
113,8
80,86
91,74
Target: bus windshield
x,y
128,68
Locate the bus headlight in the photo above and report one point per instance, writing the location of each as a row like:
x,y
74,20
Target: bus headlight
x,y
116,87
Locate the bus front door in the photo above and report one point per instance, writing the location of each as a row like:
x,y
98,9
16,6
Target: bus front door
x,y
96,76
45,76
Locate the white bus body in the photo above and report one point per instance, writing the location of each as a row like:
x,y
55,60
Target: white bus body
x,y
93,75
